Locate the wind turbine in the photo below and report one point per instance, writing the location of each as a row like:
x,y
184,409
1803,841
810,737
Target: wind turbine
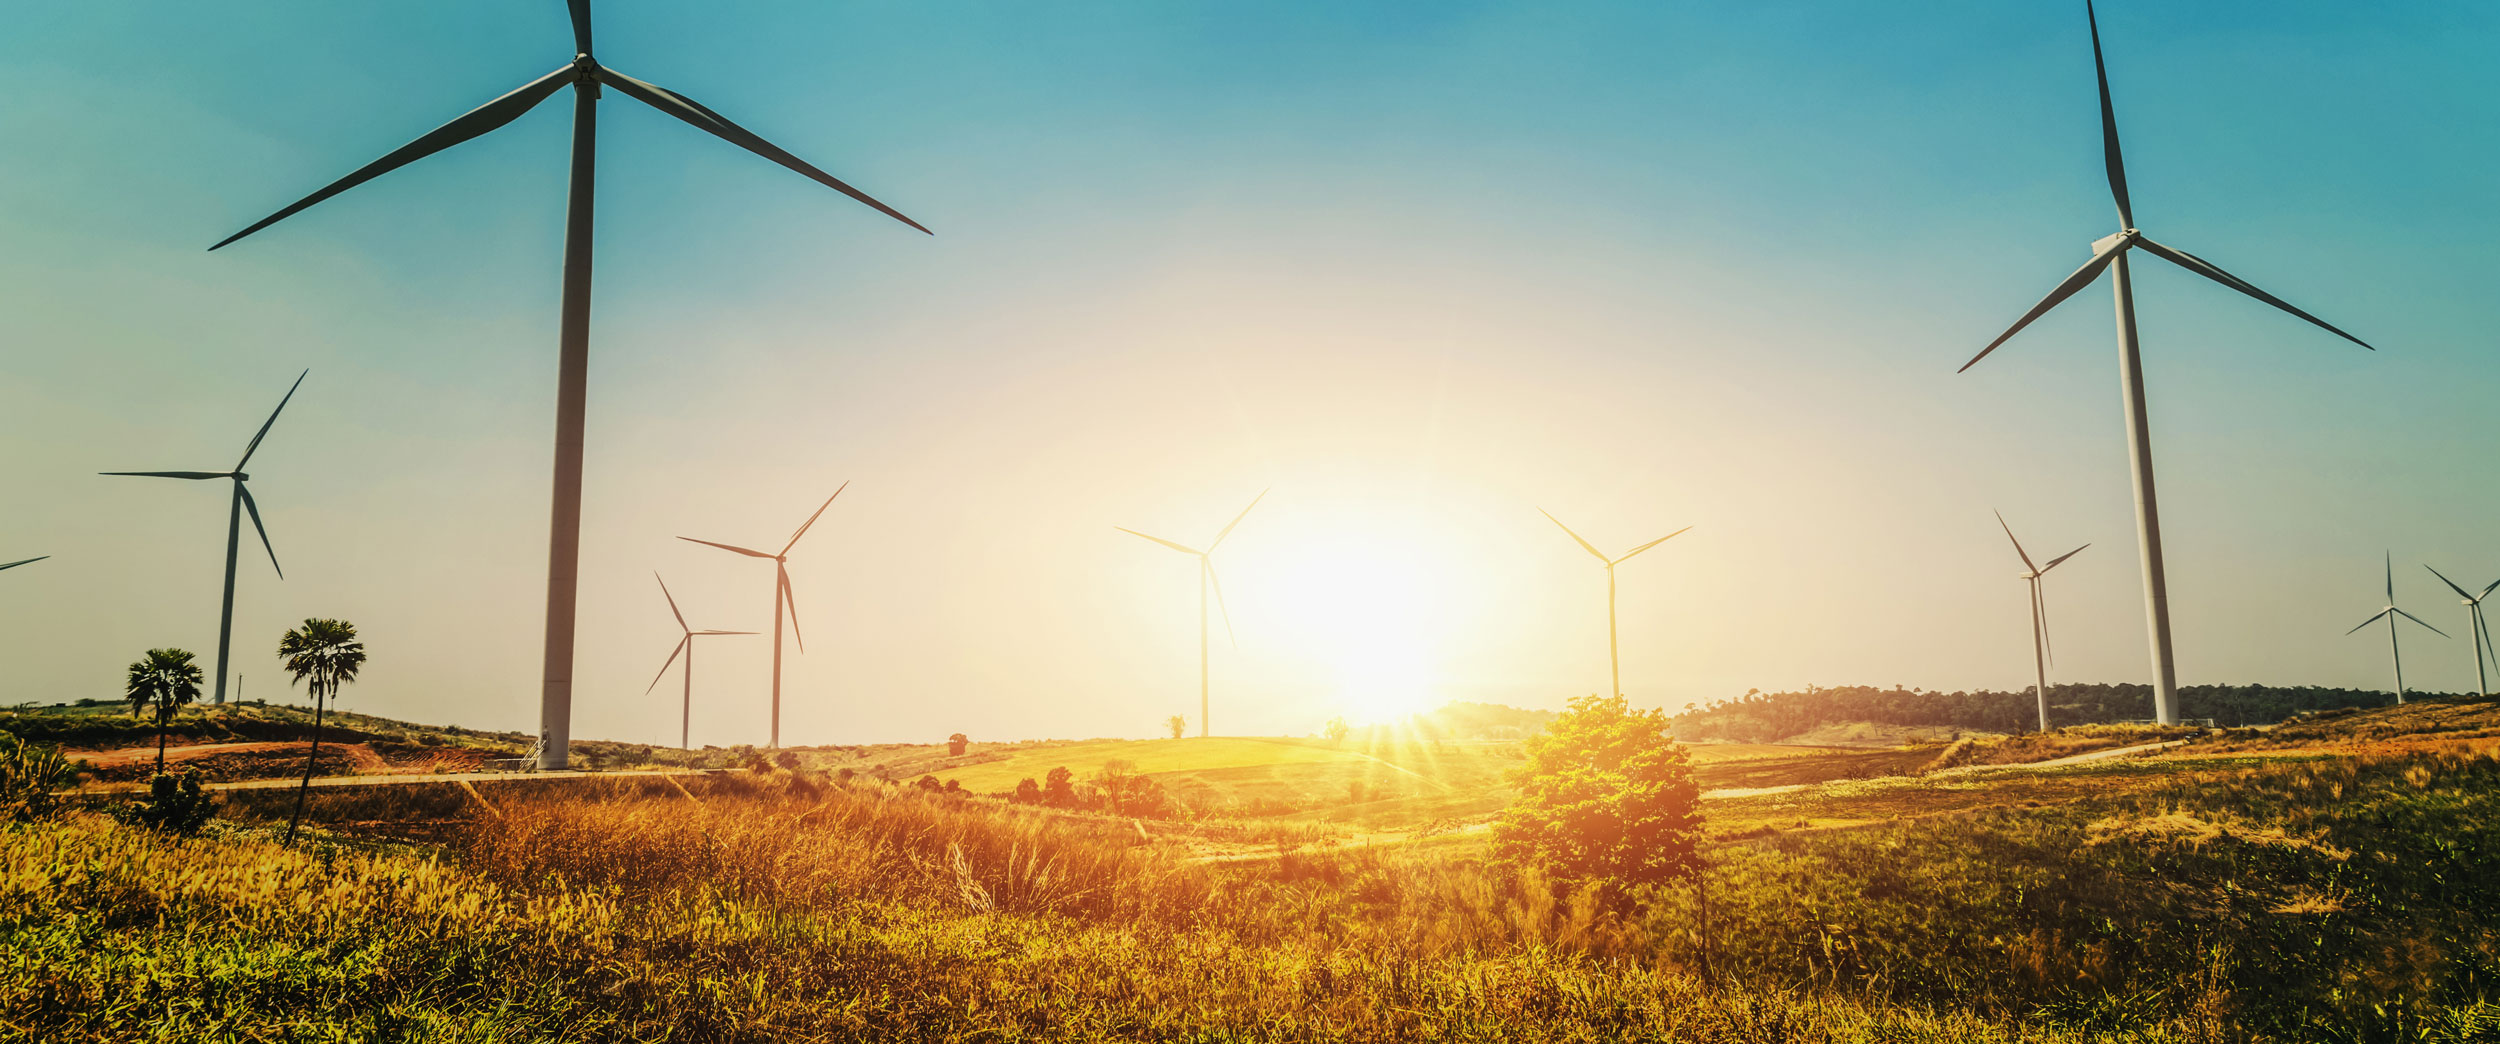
x,y
241,502
23,561
2391,613
1206,579
781,597
585,75
685,714
2041,654
2111,253
2480,637
1614,651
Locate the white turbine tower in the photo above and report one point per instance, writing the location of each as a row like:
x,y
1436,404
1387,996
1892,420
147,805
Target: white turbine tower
x,y
1206,580
2111,253
2480,636
1614,649
2041,655
2394,651
685,710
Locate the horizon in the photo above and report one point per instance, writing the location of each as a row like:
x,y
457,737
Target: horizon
x,y
1422,273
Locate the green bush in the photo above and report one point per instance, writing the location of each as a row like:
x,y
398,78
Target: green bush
x,y
29,773
175,804
1606,796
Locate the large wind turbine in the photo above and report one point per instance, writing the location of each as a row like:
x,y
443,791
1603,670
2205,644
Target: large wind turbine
x,y
23,561
781,597
1206,579
2480,636
585,75
1614,652
685,713
2041,655
241,502
2390,611
2111,253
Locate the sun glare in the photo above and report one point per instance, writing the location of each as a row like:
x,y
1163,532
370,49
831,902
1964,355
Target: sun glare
x,y
1372,611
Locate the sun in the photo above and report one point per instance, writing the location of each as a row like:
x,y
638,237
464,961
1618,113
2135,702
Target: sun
x,y
1372,613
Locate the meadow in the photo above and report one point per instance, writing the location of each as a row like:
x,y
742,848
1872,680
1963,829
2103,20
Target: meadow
x,y
2202,895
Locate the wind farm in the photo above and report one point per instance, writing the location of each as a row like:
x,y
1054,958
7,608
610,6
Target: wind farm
x,y
1413,275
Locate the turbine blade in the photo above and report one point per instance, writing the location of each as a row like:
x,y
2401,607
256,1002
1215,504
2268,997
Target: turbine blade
x,y
2374,618
2080,278
581,25
2416,619
173,474
2495,586
23,561
2452,585
2054,561
254,510
811,519
719,126
1183,548
699,633
672,604
1584,544
2109,126
2483,624
2209,270
1644,547
468,125
728,547
273,419
1221,609
2391,579
1228,527
2018,545
782,579
672,661
2040,604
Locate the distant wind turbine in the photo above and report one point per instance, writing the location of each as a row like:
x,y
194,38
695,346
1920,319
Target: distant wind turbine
x,y
2390,611
585,75
23,561
1206,579
2111,253
1614,651
2041,654
685,714
241,502
781,597
2480,636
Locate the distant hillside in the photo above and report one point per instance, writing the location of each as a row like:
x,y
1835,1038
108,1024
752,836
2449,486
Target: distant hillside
x,y
1760,717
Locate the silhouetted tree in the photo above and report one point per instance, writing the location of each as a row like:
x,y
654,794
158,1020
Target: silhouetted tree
x,y
1606,795
1177,724
1028,792
928,783
165,680
324,655
955,745
1059,788
1336,730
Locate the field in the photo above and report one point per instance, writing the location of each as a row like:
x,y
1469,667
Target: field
x,y
2317,881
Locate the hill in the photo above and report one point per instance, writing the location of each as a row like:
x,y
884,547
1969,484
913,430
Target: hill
x,y
1777,717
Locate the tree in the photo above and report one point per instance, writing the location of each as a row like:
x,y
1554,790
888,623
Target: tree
x,y
1059,788
1606,795
1336,730
324,655
955,745
1028,792
1177,724
165,680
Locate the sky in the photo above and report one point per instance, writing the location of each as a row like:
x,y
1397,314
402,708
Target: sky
x,y
1416,270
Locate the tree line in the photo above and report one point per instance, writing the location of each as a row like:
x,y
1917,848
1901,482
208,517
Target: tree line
x,y
1763,717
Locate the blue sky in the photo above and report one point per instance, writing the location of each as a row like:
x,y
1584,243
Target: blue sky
x,y
1421,268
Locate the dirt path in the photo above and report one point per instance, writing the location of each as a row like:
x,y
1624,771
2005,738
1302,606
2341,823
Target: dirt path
x,y
134,755
2085,758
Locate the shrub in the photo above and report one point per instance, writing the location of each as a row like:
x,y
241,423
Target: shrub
x,y
29,773
955,745
1606,795
175,805
1059,788
1028,792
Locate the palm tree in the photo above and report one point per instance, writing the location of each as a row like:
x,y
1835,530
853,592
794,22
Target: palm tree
x,y
166,680
323,654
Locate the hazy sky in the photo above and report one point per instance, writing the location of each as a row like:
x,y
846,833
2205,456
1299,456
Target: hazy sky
x,y
1420,268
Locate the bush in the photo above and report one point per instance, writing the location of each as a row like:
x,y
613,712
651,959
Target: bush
x,y
955,745
1059,788
29,773
1607,795
175,805
1028,792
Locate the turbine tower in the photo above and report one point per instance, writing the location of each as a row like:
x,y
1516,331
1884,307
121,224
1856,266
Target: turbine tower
x,y
1206,579
1614,651
2479,637
241,502
2111,253
685,713
2041,654
586,76
781,597
23,561
2394,651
